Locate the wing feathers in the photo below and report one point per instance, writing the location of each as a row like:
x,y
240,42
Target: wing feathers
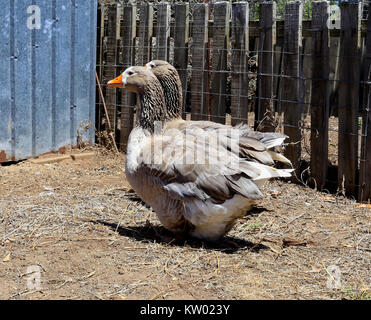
x,y
234,160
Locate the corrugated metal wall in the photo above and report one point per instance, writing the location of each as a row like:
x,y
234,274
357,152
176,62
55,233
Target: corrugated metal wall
x,y
47,75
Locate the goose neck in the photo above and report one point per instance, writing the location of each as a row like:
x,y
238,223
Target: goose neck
x,y
152,108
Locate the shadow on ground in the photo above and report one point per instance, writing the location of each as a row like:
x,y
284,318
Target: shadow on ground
x,y
158,234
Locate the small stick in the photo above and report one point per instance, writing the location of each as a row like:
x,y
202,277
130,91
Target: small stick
x,y
295,218
106,112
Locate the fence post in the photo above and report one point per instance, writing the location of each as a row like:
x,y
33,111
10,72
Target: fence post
x,y
240,56
181,37
334,75
128,33
306,73
320,101
163,31
145,33
200,86
292,83
350,39
109,71
277,81
265,108
222,13
365,162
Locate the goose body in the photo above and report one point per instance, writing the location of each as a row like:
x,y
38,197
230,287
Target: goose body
x,y
198,176
172,88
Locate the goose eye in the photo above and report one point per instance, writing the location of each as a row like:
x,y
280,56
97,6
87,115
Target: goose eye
x,y
130,73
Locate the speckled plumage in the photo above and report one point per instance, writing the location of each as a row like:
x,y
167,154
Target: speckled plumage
x,y
171,86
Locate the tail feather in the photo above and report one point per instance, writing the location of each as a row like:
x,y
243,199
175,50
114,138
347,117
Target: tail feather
x,y
267,172
279,157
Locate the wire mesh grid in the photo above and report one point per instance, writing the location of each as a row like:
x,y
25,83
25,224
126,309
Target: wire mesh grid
x,y
291,68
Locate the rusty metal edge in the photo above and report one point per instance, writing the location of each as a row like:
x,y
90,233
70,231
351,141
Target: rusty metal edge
x,y
61,150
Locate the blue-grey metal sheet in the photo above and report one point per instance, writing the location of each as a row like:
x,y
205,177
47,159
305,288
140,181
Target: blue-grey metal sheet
x,y
47,76
5,91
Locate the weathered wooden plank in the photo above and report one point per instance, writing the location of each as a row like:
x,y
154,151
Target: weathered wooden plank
x,y
199,84
277,82
109,69
128,59
265,107
253,69
163,31
320,100
365,161
208,64
349,74
119,69
219,50
181,39
292,84
334,74
307,73
145,34
240,56
50,159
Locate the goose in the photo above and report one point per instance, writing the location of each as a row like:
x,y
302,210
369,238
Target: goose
x,y
198,180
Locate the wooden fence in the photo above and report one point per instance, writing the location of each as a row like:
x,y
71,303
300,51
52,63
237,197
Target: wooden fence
x,y
287,76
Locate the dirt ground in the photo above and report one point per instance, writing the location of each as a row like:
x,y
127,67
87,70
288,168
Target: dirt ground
x,y
80,226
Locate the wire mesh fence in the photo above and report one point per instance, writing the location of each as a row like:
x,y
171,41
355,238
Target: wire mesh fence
x,y
298,67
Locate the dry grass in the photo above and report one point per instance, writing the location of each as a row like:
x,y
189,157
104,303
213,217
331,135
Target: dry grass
x,y
93,239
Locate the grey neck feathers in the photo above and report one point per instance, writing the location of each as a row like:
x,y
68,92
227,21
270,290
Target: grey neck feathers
x,y
172,86
152,106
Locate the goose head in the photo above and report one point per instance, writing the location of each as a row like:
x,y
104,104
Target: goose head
x,y
171,85
156,64
135,79
144,83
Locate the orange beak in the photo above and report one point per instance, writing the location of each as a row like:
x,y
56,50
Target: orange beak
x,y
117,82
